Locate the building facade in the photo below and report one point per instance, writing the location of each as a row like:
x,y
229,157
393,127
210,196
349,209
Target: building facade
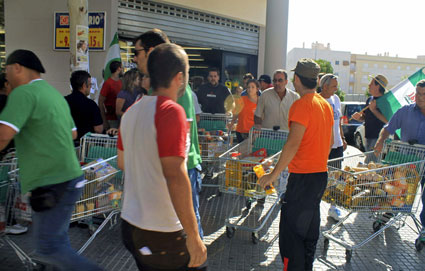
x,y
395,69
340,61
229,35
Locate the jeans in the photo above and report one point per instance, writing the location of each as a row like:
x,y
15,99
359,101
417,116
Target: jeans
x,y
196,183
51,232
370,144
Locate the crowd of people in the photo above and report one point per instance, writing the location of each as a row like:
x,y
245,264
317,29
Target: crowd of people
x,y
155,113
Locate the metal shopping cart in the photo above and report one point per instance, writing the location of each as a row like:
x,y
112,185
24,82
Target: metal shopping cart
x,y
263,147
10,205
102,194
388,188
214,140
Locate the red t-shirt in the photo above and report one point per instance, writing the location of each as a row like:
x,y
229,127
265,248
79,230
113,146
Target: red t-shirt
x,y
171,129
110,90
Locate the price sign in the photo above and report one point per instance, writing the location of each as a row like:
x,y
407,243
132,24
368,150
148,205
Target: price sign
x,y
97,26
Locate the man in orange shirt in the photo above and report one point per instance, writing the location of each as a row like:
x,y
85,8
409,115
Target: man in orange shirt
x,y
306,155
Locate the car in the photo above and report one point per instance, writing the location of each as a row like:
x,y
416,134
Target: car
x,y
359,137
349,125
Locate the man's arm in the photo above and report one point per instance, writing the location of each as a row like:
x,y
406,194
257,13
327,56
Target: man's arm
x,y
289,150
120,159
175,172
103,111
98,129
74,134
344,142
375,111
119,103
6,135
257,121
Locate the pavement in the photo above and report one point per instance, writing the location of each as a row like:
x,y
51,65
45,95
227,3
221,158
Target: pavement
x,y
394,249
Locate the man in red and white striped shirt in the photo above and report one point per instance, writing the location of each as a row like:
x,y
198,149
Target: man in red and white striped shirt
x,y
159,225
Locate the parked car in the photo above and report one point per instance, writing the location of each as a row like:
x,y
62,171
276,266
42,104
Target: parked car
x,y
350,126
359,137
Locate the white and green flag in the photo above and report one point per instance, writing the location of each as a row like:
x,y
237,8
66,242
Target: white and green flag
x,y
400,95
113,55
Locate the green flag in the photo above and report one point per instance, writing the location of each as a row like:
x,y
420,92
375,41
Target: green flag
x,y
400,95
113,55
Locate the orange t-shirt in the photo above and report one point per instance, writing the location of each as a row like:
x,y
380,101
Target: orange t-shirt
x,y
314,113
246,116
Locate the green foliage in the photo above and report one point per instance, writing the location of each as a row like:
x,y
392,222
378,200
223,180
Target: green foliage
x,y
325,66
340,94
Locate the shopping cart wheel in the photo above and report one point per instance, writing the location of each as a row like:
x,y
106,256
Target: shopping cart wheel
x,y
348,255
254,238
377,225
419,244
325,245
230,231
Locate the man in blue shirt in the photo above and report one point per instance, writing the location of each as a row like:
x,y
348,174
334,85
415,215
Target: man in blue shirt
x,y
411,120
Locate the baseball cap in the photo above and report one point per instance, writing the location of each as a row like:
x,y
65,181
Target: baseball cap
x,y
307,68
267,79
27,59
381,79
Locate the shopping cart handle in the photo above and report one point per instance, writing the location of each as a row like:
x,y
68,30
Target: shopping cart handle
x,y
412,141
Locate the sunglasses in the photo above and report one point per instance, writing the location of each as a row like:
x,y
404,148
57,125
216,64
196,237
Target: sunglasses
x,y
278,80
136,51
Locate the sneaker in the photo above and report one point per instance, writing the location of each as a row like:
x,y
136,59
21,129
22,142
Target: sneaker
x,y
16,229
335,213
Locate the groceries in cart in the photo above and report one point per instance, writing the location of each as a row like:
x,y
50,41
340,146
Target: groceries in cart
x,y
100,191
242,173
375,186
212,143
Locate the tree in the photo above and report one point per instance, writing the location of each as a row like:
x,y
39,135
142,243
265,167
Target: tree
x,y
326,67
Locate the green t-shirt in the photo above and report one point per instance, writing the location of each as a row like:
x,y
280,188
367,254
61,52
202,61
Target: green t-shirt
x,y
42,119
186,101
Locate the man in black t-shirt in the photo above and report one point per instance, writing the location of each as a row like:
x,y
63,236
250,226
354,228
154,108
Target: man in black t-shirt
x,y
85,112
372,116
212,95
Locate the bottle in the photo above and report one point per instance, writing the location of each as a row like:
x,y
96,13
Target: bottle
x,y
259,171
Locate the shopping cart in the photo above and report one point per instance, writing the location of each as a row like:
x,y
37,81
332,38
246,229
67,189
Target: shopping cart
x,y
214,140
102,193
9,196
386,188
263,147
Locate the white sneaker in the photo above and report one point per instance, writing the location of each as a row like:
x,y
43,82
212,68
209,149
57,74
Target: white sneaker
x,y
16,229
335,213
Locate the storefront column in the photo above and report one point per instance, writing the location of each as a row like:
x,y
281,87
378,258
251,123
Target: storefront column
x,y
276,35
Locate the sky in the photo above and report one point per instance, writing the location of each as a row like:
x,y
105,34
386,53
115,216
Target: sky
x,y
359,26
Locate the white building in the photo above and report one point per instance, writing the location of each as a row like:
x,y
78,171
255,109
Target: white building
x,y
340,61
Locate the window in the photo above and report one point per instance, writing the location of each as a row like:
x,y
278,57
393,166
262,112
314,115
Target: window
x,y
385,66
336,62
408,68
375,65
398,68
363,88
336,73
365,65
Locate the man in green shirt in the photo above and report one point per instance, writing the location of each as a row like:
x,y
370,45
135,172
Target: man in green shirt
x,y
38,118
144,44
